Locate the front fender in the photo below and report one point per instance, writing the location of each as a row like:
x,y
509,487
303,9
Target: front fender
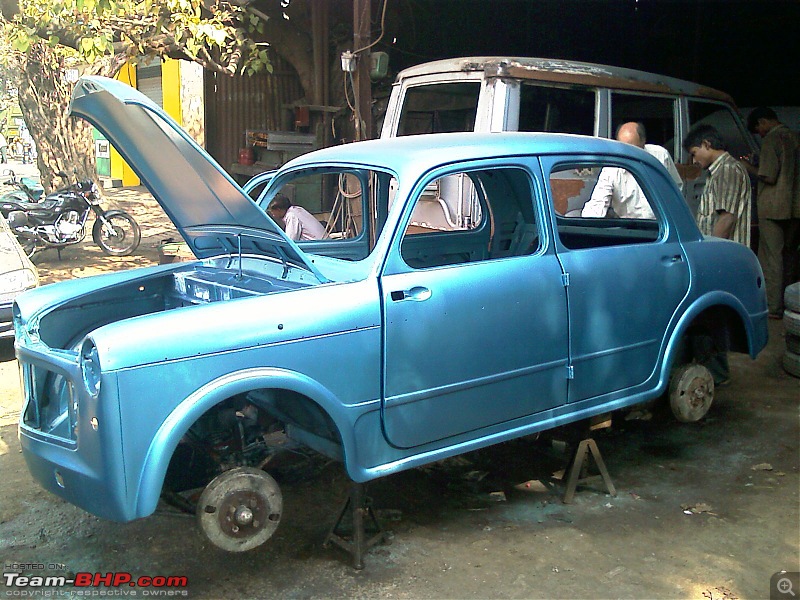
x,y
195,405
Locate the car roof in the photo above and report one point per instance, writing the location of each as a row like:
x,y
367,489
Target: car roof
x,y
423,152
568,72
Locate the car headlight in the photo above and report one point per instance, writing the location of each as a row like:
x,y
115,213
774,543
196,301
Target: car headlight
x,y
13,282
90,367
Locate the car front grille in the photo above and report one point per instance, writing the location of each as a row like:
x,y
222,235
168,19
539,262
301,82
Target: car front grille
x,y
51,403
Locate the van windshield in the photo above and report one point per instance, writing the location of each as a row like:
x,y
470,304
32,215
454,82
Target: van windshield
x,y
439,108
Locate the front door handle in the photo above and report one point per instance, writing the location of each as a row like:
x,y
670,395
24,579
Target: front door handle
x,y
672,259
416,293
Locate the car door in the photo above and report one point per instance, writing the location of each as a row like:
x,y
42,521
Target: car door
x,y
474,317
626,277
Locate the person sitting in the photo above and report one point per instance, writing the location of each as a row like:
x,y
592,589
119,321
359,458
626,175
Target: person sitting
x,y
298,223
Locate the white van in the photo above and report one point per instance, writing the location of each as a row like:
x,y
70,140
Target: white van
x,y
495,93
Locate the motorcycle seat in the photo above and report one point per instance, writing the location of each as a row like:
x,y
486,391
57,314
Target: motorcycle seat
x,y
34,207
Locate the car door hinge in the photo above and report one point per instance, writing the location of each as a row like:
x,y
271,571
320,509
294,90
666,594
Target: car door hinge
x,y
565,279
570,372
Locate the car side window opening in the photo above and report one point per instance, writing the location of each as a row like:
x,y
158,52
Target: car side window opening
x,y
599,204
439,108
556,110
256,192
472,216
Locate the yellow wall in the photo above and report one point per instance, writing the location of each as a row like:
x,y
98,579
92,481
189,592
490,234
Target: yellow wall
x,y
171,87
119,168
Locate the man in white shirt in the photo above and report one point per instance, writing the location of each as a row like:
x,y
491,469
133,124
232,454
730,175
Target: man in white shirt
x,y
618,189
299,224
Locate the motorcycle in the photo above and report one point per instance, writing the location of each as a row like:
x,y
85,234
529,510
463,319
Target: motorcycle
x,y
60,219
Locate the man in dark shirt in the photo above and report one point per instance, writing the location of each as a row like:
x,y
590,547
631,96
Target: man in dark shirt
x,y
778,204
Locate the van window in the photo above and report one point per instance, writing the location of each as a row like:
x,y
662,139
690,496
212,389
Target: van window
x,y
556,110
723,119
657,114
448,204
439,108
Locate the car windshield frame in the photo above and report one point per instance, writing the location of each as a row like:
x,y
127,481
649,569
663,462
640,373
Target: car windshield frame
x,y
377,220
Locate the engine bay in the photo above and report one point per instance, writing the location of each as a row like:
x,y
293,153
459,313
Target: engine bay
x,y
198,284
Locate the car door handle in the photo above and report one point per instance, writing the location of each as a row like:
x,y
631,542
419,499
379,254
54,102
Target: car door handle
x,y
416,293
672,259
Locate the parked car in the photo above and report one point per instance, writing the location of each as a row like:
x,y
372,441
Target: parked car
x,y
437,341
17,274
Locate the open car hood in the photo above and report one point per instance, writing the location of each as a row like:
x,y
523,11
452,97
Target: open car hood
x,y
211,212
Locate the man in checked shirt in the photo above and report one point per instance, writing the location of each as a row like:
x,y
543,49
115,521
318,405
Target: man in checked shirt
x,y
724,211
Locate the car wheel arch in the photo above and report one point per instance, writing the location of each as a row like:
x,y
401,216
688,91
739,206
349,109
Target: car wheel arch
x,y
703,317
211,395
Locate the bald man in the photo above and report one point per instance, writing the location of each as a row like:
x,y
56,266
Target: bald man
x,y
633,133
618,190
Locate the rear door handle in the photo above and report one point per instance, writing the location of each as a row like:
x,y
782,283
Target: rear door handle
x,y
416,293
672,259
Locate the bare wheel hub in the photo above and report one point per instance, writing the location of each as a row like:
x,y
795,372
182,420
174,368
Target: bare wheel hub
x,y
242,513
240,509
691,392
244,516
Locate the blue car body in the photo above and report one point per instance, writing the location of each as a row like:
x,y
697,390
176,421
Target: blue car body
x,y
423,343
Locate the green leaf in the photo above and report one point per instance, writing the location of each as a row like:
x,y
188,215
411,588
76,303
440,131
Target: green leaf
x,y
21,44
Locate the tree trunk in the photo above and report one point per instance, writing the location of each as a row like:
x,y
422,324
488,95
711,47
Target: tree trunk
x,y
63,143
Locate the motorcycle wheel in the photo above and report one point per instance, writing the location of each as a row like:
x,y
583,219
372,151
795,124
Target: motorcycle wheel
x,y
124,237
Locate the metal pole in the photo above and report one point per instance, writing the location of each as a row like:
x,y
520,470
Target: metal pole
x,y
362,19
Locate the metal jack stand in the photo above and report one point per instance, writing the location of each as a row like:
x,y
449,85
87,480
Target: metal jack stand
x,y
358,543
578,465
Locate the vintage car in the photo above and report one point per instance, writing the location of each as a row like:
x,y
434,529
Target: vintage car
x,y
418,343
17,274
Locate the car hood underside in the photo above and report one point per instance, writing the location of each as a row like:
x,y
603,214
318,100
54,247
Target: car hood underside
x,y
194,191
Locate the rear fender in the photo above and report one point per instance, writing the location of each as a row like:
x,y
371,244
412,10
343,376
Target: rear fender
x,y
754,327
